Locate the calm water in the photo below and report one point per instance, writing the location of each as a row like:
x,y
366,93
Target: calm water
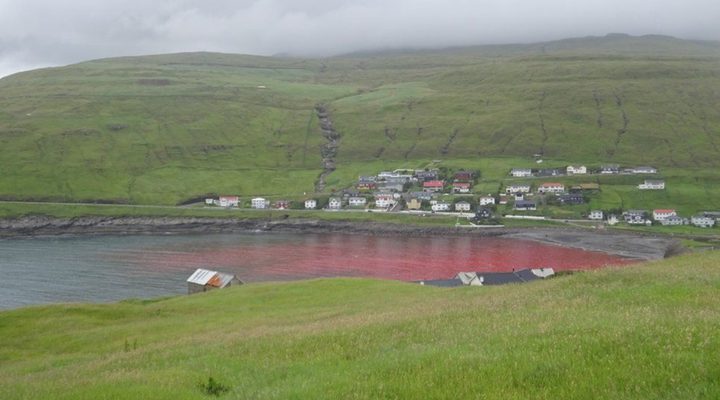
x,y
108,268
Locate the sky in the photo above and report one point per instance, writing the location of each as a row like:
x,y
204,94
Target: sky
x,y
38,33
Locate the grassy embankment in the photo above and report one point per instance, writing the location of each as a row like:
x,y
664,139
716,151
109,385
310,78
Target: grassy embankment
x,y
164,129
644,332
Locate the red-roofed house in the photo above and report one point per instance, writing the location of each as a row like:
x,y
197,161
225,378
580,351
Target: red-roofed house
x,y
551,187
229,201
661,214
433,186
461,187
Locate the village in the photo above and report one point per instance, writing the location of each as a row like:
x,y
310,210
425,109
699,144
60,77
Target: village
x,y
440,191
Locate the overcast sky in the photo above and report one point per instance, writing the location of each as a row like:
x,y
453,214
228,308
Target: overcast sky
x,y
35,33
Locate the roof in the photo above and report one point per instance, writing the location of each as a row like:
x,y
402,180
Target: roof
x,y
463,202
230,197
663,211
201,276
433,183
519,185
524,203
547,184
461,184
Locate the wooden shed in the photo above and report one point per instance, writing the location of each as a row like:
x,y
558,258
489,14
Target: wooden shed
x,y
203,280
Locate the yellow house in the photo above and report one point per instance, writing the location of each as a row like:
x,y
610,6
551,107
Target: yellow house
x,y
414,204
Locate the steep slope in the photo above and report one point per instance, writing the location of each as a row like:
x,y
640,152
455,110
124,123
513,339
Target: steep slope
x,y
163,129
643,332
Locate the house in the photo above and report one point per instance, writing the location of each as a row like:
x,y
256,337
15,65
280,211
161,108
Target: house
x,y
357,202
571,199
433,186
464,176
551,187
652,184
209,202
550,172
525,205
366,185
310,204
390,186
702,221
636,217
610,169
203,280
334,203
644,170
596,215
422,196
425,176
711,214
350,192
282,204
487,200
441,206
462,206
384,200
414,204
521,172
503,199
229,201
259,203
661,214
673,220
461,187
517,188
576,170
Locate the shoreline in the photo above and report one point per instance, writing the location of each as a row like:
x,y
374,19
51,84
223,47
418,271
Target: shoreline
x,y
628,245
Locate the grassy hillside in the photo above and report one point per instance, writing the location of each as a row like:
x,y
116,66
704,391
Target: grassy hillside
x,y
645,332
163,129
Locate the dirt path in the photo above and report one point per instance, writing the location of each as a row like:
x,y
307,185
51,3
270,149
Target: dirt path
x,y
329,150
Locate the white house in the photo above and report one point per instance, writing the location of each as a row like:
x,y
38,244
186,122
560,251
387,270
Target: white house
x,y
702,221
576,169
644,170
596,215
651,184
334,203
440,206
487,200
229,201
259,203
462,206
661,214
310,204
517,188
384,200
521,172
357,201
673,220
610,169
210,201
551,187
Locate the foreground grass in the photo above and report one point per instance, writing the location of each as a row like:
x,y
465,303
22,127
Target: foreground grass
x,y
642,332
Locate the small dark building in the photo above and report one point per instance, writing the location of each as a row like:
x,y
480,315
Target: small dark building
x,y
525,205
550,172
571,199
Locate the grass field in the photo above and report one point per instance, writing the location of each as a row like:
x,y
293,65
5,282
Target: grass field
x,y
644,332
164,129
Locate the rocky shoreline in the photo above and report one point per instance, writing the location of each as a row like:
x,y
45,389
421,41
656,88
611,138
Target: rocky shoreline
x,y
637,246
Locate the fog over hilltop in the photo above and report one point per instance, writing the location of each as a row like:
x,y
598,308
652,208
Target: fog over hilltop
x,y
35,33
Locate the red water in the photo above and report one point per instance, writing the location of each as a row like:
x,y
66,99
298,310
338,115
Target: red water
x,y
287,256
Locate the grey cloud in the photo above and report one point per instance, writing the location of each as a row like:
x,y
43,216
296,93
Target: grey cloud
x,y
50,32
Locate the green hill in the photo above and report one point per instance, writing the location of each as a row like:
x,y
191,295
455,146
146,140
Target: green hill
x,y
644,332
164,129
